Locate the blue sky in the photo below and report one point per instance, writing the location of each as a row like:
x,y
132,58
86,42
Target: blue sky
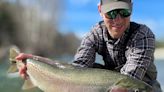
x,y
80,15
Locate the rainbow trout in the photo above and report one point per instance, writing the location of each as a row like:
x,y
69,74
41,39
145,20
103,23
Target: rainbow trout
x,y
53,76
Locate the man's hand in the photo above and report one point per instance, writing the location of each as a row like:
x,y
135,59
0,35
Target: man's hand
x,y
23,56
23,68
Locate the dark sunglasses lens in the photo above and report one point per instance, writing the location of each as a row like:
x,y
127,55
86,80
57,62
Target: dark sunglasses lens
x,y
124,13
112,14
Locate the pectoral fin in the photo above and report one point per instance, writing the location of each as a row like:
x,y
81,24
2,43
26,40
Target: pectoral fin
x,y
28,84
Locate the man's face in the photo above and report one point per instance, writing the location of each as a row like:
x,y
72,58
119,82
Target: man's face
x,y
116,25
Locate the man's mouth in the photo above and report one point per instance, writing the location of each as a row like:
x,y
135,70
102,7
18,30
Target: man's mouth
x,y
117,26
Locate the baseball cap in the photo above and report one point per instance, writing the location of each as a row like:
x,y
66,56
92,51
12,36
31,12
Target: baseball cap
x,y
108,5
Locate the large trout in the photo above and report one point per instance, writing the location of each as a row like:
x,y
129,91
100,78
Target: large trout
x,y
53,76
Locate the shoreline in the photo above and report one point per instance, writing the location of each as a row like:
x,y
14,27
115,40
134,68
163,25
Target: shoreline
x,y
159,53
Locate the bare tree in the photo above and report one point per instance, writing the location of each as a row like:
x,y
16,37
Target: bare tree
x,y
35,28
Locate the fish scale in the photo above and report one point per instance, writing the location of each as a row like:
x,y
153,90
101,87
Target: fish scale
x,y
53,76
66,78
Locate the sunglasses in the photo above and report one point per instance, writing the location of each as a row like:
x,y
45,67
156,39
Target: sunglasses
x,y
122,12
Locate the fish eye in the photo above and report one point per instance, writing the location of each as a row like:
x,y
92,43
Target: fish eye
x,y
136,90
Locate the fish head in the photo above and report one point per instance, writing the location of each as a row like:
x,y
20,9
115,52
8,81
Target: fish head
x,y
133,85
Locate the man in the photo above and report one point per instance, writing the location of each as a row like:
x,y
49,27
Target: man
x,y
126,47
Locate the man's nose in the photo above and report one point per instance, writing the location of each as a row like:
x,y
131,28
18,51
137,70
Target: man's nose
x,y
118,18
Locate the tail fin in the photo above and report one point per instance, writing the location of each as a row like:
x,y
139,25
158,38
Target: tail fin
x,y
14,51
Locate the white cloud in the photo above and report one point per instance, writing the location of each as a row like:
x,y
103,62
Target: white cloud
x,y
81,33
149,22
155,25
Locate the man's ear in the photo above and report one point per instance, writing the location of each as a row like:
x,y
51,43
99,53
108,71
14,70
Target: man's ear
x,y
99,9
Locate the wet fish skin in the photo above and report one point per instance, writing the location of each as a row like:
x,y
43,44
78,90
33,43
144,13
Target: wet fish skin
x,y
62,77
